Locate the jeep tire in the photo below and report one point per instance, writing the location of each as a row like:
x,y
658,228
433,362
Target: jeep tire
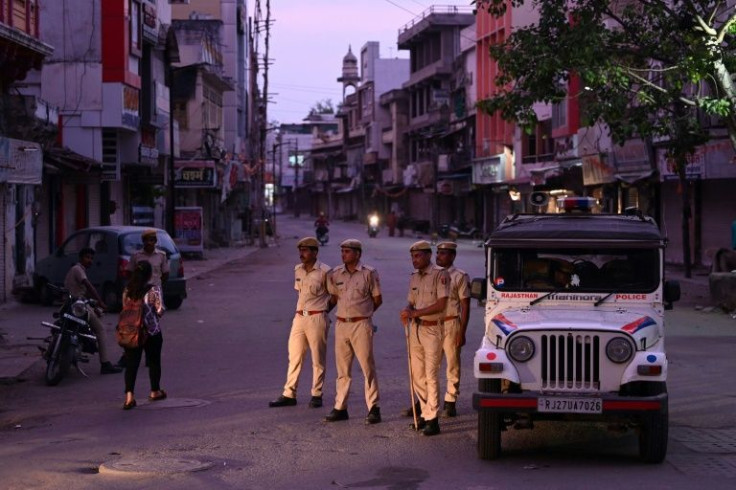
x,y
489,423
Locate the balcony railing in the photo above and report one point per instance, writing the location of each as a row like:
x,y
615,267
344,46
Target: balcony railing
x,y
546,157
436,9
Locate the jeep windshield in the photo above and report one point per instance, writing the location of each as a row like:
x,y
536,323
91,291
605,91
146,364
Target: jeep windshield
x,y
575,270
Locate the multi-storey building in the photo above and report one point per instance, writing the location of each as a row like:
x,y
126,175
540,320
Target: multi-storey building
x,y
213,85
433,39
27,126
378,76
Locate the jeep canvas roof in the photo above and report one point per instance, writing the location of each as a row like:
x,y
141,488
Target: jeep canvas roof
x,y
580,230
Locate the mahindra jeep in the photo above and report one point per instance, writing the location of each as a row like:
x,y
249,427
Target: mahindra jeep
x,y
574,325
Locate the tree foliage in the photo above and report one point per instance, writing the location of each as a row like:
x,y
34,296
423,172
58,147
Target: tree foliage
x,y
322,107
645,67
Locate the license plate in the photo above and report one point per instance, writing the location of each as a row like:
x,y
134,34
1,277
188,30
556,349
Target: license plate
x,y
569,405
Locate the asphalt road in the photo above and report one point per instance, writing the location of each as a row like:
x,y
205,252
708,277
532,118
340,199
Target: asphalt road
x,y
225,358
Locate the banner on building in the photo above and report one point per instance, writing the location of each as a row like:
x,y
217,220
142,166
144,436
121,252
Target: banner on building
x,y
596,171
694,168
21,162
189,229
490,170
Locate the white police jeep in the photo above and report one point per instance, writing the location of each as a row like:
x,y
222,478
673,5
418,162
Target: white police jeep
x,y
574,325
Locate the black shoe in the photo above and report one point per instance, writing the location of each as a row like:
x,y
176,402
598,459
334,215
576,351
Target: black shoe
x,y
283,401
409,413
336,415
107,368
449,410
121,362
315,402
432,428
374,415
421,424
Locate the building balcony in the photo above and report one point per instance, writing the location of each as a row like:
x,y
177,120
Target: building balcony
x,y
19,52
435,18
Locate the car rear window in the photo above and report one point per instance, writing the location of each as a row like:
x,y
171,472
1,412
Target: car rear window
x,y
131,243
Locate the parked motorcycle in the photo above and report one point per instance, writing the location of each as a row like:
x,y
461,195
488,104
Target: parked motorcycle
x,y
462,230
71,336
373,223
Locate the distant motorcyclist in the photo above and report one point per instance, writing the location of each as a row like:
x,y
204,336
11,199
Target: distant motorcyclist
x,y
322,227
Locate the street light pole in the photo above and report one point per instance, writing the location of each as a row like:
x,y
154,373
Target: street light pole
x,y
262,201
273,188
296,178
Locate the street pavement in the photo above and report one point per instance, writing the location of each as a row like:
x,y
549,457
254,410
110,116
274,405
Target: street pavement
x,y
693,315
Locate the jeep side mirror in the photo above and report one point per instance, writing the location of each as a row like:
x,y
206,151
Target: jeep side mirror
x,y
478,289
671,293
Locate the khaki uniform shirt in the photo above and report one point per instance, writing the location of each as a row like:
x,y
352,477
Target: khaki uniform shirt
x,y
74,281
426,287
159,264
459,290
312,287
355,291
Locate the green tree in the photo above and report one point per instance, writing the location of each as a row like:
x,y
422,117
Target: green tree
x,y
647,68
322,107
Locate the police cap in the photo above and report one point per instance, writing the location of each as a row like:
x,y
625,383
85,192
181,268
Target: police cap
x,y
309,241
447,246
352,243
421,245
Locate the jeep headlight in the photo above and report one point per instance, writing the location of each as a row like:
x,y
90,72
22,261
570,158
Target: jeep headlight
x,y
79,309
520,349
619,350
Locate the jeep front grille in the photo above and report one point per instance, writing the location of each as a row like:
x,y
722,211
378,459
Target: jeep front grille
x,y
570,362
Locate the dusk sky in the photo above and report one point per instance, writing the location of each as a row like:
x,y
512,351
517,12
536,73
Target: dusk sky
x,y
309,39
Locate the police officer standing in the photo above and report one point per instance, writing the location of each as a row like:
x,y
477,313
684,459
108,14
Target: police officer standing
x,y
157,258
310,325
455,322
429,288
356,289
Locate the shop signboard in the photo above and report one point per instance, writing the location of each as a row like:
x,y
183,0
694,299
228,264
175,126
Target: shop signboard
x,y
192,174
189,229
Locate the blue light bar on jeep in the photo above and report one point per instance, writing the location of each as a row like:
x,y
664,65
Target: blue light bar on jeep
x,y
569,204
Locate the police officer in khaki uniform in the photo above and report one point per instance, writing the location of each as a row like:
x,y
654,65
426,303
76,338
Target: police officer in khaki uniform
x,y
356,289
154,256
310,325
455,322
429,288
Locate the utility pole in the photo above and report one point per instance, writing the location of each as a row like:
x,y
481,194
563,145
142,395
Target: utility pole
x,y
263,122
172,56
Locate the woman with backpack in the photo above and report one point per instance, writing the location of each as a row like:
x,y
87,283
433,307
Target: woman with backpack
x,y
139,293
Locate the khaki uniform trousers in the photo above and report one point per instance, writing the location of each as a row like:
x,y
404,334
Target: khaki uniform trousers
x,y
425,343
307,332
450,330
96,325
355,340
